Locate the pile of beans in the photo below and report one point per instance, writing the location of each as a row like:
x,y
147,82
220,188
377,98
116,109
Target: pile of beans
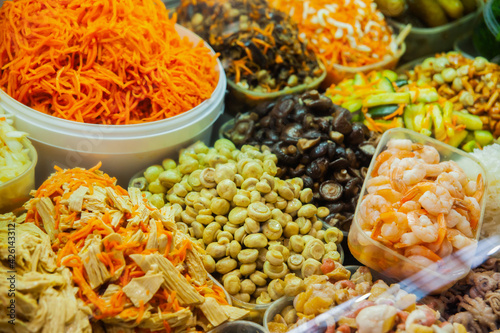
x,y
315,141
261,234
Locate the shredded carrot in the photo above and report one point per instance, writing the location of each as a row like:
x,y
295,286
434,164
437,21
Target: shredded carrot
x,y
349,33
103,62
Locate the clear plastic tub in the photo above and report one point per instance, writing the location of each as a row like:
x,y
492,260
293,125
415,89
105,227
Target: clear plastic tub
x,y
428,41
123,149
388,262
15,192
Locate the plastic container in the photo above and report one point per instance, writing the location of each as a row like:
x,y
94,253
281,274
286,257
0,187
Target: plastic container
x,y
123,149
239,326
428,41
15,192
388,262
486,35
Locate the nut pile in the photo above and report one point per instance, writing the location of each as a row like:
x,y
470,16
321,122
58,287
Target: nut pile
x,y
316,141
471,84
261,234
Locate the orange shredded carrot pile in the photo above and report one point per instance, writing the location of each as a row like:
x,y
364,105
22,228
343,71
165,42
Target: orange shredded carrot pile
x,y
69,243
350,33
101,61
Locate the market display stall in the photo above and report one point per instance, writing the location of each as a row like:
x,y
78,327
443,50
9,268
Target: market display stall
x,y
223,166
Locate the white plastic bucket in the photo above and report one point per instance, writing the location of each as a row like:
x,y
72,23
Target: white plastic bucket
x,y
122,149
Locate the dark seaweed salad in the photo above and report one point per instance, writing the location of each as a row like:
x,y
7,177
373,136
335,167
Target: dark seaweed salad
x,y
485,42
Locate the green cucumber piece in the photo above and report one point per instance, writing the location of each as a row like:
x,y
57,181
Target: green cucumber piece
x,y
470,146
458,138
471,122
359,80
437,119
400,83
387,98
353,105
382,110
408,115
386,85
392,76
482,137
425,95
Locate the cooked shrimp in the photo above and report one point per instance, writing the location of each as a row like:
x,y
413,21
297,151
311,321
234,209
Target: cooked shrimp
x,y
370,209
470,188
464,227
377,181
422,315
407,239
471,205
407,172
423,227
434,198
409,206
453,218
479,188
428,154
389,194
452,184
442,250
385,160
391,226
453,168
421,260
404,144
420,250
458,240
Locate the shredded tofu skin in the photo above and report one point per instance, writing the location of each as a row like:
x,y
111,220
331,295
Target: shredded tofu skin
x,y
128,260
490,157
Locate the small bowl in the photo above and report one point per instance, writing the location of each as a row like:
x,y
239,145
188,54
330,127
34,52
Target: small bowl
x,y
388,262
423,41
240,326
258,311
250,98
278,305
339,72
15,192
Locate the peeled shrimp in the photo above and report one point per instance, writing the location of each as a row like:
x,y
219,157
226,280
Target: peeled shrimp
x,y
428,154
370,209
453,168
423,227
384,161
453,218
408,239
452,184
407,172
470,188
422,315
434,198
391,226
442,250
404,144
458,239
472,206
409,206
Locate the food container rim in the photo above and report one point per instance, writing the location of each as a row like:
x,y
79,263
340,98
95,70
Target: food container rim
x,y
239,322
53,120
435,143
33,159
399,53
276,94
441,28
